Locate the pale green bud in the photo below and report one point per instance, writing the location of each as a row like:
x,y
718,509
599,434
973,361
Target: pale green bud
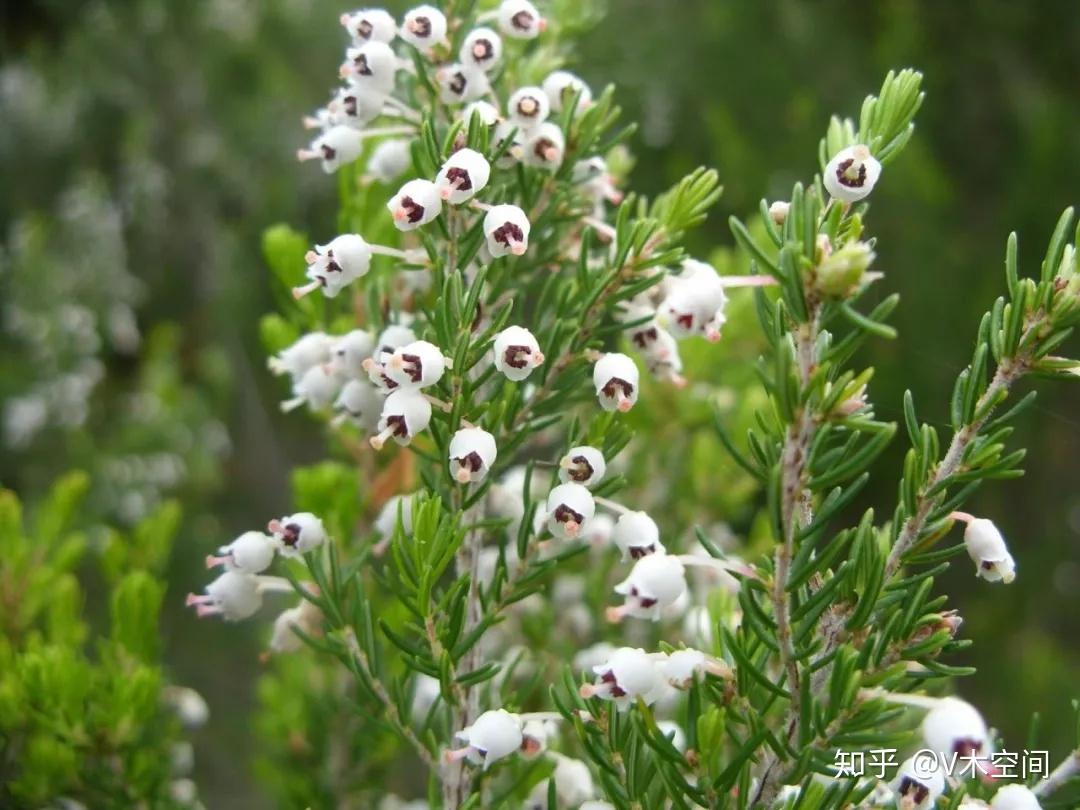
x,y
840,272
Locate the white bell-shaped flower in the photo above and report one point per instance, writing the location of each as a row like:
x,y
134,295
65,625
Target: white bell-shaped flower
x,y
544,147
520,19
918,783
464,174
562,86
495,735
472,452
337,146
987,548
516,353
582,465
234,596
370,25
417,203
360,403
317,388
305,617
460,83
390,159
424,27
357,105
335,265
298,534
569,508
250,553
695,302
662,359
481,49
851,174
395,508
682,666
1015,797
488,113
616,379
507,230
629,673
642,329
528,107
536,736
573,783
954,726
419,364
312,349
349,351
655,582
405,413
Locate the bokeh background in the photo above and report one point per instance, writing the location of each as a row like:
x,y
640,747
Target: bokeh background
x,y
144,145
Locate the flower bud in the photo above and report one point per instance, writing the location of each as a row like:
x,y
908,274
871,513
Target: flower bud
x,y
517,353
405,413
520,19
370,25
561,87
507,230
423,27
987,549
417,365
616,378
778,212
841,272
464,174
569,508
655,582
851,174
582,465
636,535
528,107
472,452
298,534
460,83
417,203
481,49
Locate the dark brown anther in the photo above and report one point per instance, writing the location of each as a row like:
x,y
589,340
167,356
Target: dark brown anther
x,y
582,469
414,367
564,514
514,356
414,210
850,182
508,233
397,422
459,178
616,384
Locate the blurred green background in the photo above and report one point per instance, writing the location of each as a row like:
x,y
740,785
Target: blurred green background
x,y
145,144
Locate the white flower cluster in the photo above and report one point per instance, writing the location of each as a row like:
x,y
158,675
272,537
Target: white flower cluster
x,y
628,673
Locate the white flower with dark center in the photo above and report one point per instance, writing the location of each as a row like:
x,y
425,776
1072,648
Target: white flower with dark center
x,y
629,673
918,782
495,735
616,379
250,553
417,203
317,388
561,87
662,359
349,351
520,19
695,302
424,27
370,25
569,508
481,49
312,349
1015,797
528,107
405,413
536,736
544,147
390,159
642,330
234,596
507,230
851,174
417,365
517,353
461,83
298,534
356,106
305,617
360,403
337,146
987,548
398,507
582,465
488,113
335,265
464,174
954,726
472,452
655,582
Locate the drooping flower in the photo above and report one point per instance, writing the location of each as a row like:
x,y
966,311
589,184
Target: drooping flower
x,y
520,19
371,68
582,465
460,83
569,508
481,49
507,230
405,413
419,364
423,27
250,553
472,452
335,265
1015,797
918,782
616,379
694,303
544,147
528,107
349,351
561,87
655,582
417,203
495,735
517,353
851,174
629,673
305,617
390,159
312,349
464,174
317,388
987,549
360,403
234,596
298,534
954,726
335,147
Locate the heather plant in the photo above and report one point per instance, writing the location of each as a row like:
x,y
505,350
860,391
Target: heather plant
x,y
497,597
